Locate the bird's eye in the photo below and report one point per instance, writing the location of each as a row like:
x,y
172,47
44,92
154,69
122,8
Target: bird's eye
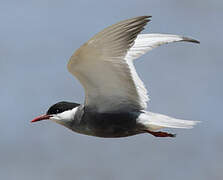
x,y
57,110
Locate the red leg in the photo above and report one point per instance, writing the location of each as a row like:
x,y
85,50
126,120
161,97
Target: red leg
x,y
161,134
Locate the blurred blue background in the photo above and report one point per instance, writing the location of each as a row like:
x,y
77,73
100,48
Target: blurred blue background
x,y
184,80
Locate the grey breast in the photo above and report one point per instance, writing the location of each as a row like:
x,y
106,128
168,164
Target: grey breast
x,y
110,124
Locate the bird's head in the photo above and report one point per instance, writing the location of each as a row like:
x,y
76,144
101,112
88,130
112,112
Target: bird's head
x,y
61,112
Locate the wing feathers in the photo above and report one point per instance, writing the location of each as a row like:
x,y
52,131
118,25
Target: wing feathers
x,y
108,78
118,38
146,42
105,68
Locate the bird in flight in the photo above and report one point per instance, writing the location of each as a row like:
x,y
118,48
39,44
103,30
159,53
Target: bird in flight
x,y
115,97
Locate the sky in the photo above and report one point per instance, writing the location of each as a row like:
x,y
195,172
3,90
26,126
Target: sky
x,y
184,80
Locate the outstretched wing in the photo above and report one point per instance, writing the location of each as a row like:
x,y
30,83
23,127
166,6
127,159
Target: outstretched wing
x,y
146,42
105,68
109,79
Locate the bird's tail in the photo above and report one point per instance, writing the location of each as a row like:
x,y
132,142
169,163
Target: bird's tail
x,y
155,121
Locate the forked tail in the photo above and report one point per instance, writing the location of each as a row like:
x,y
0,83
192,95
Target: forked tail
x,y
155,121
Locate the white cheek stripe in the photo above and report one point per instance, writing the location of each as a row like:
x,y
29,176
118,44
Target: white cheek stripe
x,y
65,116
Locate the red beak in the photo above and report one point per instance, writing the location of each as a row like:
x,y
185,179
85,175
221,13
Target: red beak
x,y
40,118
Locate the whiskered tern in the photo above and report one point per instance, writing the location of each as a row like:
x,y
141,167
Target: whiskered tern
x,y
115,97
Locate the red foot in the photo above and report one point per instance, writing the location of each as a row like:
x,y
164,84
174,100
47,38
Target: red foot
x,y
161,134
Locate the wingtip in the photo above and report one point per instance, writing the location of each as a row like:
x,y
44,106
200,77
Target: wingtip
x,y
191,40
146,17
